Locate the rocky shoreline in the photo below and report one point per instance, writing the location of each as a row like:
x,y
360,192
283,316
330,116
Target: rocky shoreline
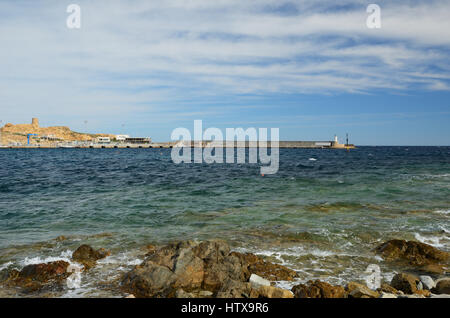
x,y
210,269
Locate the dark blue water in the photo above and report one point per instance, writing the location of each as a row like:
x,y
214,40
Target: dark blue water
x,y
321,217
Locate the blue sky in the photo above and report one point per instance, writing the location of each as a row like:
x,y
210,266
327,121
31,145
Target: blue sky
x,y
311,68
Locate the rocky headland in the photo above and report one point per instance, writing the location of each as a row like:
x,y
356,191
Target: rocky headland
x,y
18,133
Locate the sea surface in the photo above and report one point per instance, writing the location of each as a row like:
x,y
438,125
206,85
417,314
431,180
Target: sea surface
x,y
322,214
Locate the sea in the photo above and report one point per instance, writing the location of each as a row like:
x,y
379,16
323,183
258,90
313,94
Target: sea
x,y
322,214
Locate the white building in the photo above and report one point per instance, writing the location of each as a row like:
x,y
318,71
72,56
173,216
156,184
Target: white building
x,y
122,137
103,140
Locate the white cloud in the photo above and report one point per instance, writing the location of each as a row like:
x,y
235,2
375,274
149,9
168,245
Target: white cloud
x,y
153,55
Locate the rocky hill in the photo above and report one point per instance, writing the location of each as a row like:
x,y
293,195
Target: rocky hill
x,y
45,135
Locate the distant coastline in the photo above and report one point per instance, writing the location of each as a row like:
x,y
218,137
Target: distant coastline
x,y
32,136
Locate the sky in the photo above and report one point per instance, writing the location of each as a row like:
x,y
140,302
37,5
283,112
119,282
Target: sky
x,y
311,68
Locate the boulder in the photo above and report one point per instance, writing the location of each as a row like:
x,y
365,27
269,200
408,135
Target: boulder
x,y
87,256
253,264
427,282
207,266
318,289
39,276
442,286
357,290
274,292
236,289
437,269
386,288
150,280
405,282
257,281
414,253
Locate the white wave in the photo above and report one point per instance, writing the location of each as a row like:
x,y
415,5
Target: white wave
x,y
442,211
378,258
6,265
122,259
64,256
312,159
433,241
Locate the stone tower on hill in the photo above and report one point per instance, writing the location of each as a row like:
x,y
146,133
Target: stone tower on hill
x,y
35,122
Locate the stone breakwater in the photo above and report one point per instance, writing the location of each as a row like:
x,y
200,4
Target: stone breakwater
x,y
208,269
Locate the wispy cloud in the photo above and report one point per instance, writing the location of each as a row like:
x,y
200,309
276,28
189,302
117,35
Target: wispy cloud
x,y
133,56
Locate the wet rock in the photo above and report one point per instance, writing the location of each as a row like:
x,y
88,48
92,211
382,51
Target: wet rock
x,y
414,253
256,265
257,281
427,282
442,286
87,256
36,277
423,292
318,289
8,275
386,288
433,269
405,282
191,266
274,292
357,290
61,238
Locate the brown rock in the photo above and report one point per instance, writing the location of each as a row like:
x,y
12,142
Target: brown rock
x,y
274,292
357,290
87,256
386,288
318,289
37,276
149,280
217,272
191,267
442,286
414,253
256,265
407,283
236,289
433,269
425,293
180,293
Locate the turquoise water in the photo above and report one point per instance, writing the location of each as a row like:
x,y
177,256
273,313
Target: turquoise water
x,y
320,217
